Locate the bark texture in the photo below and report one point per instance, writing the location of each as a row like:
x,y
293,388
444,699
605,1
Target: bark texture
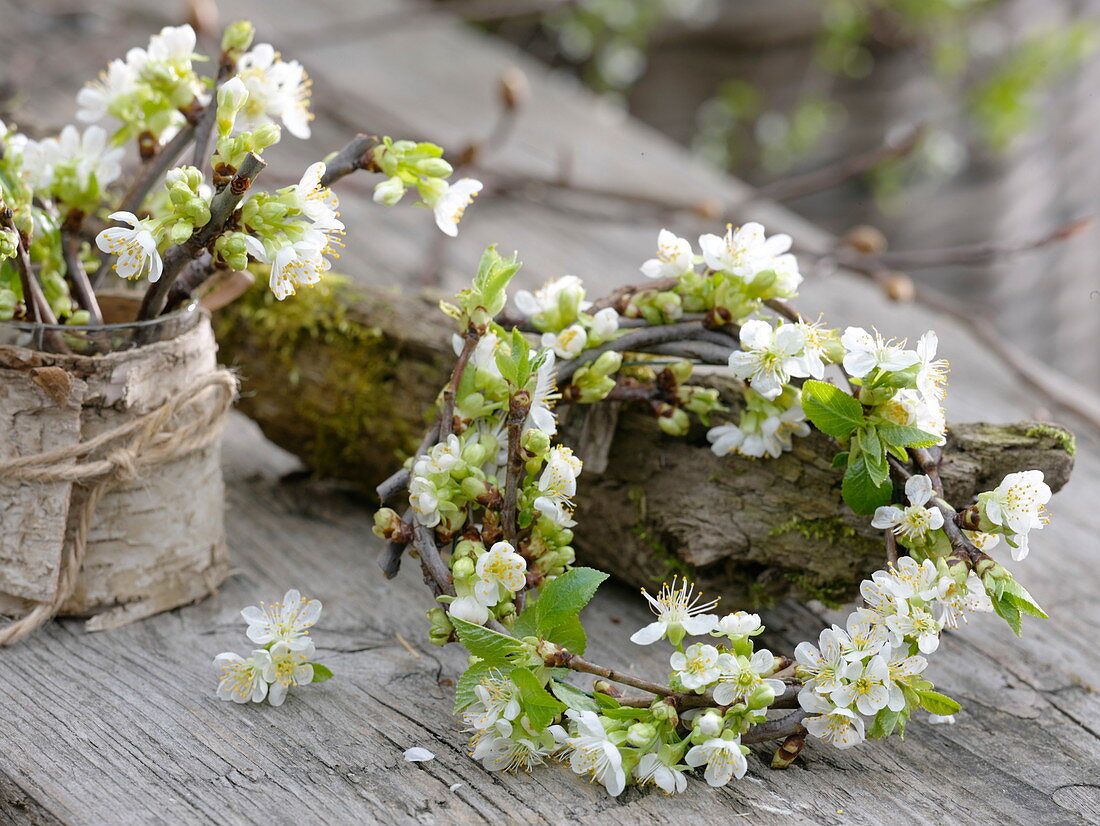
x,y
157,540
346,380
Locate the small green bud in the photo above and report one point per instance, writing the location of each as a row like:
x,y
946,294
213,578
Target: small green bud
x,y
431,189
681,371
441,628
79,317
265,135
386,521
389,191
468,548
9,243
434,167
536,442
473,487
608,363
640,734
463,568
231,97
674,421
669,305
237,37
664,712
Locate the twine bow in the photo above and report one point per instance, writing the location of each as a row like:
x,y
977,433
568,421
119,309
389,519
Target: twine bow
x,y
180,426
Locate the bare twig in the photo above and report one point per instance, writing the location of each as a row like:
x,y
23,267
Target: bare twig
x,y
354,155
775,729
969,255
34,299
834,174
637,340
436,573
222,207
77,277
518,407
193,276
447,410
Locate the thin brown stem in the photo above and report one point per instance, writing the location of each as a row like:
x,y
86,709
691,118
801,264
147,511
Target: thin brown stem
x,y
79,283
436,573
222,207
636,340
447,411
778,729
518,407
354,155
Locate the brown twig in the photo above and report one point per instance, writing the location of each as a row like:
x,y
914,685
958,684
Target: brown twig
x,y
775,729
222,207
204,129
447,410
834,174
79,283
637,340
518,407
354,155
964,255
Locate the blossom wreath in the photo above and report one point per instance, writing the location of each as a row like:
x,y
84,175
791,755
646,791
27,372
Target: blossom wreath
x,y
491,519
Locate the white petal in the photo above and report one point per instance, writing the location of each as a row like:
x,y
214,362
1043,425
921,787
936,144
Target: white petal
x,y
418,755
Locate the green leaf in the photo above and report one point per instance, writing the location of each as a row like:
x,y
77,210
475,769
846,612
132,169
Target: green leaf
x,y
886,721
605,700
321,673
902,435
539,704
564,597
936,703
841,459
573,696
569,633
1010,613
493,648
626,713
861,492
870,444
1019,596
831,410
464,691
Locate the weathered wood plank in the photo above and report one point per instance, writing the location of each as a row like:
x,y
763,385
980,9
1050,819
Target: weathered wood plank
x,y
123,727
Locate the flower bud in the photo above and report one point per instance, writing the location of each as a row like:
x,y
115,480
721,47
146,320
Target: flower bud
x,y
675,422
389,191
434,167
265,135
640,734
664,712
463,568
536,442
231,97
680,370
237,37
473,487
441,629
608,363
9,243
669,305
386,521
709,723
866,239
432,189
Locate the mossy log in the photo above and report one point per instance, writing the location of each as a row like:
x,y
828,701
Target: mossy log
x,y
345,377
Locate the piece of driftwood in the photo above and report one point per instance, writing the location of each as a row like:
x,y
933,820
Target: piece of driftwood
x,y
155,539
364,366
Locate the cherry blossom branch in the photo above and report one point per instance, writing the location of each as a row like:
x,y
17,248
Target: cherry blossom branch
x,y
634,341
204,129
77,276
222,207
436,573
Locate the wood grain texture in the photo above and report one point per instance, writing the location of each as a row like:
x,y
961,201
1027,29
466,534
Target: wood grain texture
x,y
123,727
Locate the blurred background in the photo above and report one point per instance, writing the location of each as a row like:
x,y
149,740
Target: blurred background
x,y
959,136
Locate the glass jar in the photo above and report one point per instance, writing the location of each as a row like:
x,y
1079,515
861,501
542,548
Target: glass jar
x,y
113,336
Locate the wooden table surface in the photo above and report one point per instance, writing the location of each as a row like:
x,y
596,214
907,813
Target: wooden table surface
x,y
124,727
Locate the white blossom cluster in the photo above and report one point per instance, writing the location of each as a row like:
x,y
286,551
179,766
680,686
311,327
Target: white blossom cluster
x,y
282,628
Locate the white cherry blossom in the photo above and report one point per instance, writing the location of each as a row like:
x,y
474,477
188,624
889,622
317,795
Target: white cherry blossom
x,y
568,343
593,753
134,249
738,624
605,323
916,521
277,91
676,605
287,621
742,676
451,205
470,609
497,699
768,357
1018,506
743,252
545,395
723,758
499,569
839,726
866,352
242,678
652,769
674,257
288,666
824,665
558,485
865,685
932,377
699,665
